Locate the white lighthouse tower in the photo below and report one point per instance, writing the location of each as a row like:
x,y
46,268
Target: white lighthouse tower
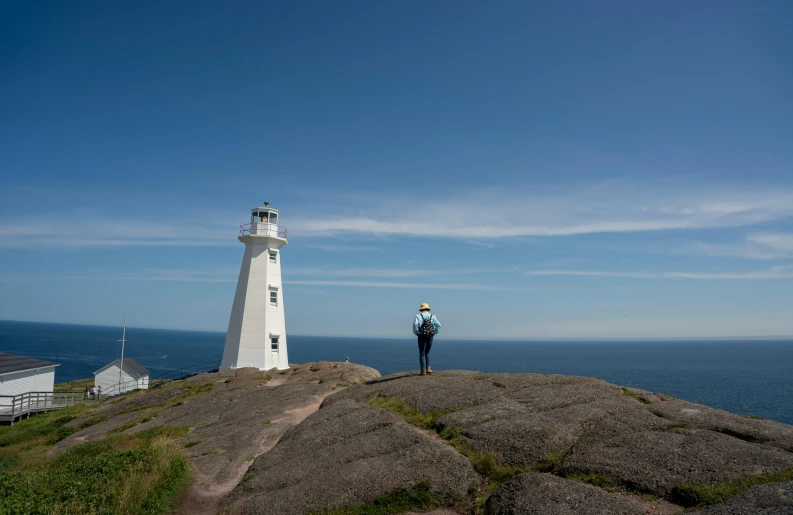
x,y
257,333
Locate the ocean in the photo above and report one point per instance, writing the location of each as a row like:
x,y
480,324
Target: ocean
x,y
748,377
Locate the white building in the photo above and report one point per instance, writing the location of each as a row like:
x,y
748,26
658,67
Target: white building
x,y
256,335
133,377
19,375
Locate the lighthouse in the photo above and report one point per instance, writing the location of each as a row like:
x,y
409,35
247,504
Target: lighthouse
x,y
256,335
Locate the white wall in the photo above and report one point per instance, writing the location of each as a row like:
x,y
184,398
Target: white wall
x,y
38,380
109,377
253,319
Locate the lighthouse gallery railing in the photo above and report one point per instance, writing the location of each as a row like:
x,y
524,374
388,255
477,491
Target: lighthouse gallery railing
x,y
262,229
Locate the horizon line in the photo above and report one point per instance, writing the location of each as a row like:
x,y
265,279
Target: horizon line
x,y
494,339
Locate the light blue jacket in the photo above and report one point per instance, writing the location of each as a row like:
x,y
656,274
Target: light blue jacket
x,y
420,318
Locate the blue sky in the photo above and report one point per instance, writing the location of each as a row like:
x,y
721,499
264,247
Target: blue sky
x,y
531,169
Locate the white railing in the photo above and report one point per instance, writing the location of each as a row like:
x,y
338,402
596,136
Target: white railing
x,y
125,387
263,229
14,406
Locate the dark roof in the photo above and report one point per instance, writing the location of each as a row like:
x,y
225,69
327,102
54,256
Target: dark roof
x,y
13,363
130,364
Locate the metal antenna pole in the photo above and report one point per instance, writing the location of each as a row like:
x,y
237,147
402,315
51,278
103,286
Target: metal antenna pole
x,y
121,361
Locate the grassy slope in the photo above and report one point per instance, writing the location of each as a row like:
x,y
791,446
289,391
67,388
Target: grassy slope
x,y
75,386
121,474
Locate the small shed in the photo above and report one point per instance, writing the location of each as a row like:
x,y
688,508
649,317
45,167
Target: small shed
x,y
133,377
19,374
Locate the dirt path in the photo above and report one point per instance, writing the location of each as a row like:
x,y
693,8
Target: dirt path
x,y
204,493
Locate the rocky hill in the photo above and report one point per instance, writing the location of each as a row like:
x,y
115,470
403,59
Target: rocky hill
x,y
336,438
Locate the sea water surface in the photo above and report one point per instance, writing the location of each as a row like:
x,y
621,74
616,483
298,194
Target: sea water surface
x,y
742,376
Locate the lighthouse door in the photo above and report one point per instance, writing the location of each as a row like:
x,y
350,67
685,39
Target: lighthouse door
x,y
274,348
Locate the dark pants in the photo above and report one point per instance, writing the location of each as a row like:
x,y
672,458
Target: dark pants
x,y
425,343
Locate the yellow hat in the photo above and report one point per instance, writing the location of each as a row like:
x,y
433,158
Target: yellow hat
x,y
425,306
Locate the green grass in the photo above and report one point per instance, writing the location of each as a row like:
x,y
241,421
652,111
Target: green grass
x,y
485,464
397,406
266,379
634,395
754,417
677,426
74,386
713,493
192,444
122,474
416,498
188,390
550,462
46,428
9,460
148,417
122,428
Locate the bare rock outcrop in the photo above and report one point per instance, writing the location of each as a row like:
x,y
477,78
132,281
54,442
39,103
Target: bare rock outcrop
x,y
546,494
347,454
590,431
333,435
233,416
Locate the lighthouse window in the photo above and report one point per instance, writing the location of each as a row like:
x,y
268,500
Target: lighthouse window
x,y
274,343
273,297
273,218
273,256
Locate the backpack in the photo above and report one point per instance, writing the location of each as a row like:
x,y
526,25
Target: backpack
x,y
427,328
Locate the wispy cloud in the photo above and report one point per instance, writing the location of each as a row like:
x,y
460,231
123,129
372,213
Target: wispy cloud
x,y
81,230
782,242
411,286
761,245
478,217
228,275
390,272
612,207
221,275
777,272
331,247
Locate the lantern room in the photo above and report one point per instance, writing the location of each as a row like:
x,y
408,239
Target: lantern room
x,y
264,222
264,214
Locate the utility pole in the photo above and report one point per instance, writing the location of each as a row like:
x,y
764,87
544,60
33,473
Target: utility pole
x,y
121,361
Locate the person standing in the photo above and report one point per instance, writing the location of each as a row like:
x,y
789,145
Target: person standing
x,y
87,392
425,327
99,392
